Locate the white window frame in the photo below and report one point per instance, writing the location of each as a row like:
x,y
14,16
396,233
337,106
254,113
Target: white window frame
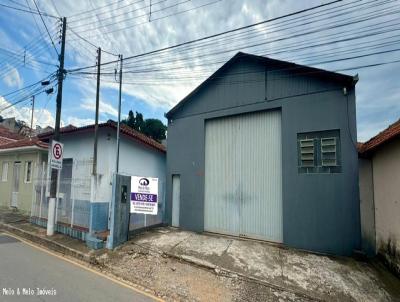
x,y
26,172
4,177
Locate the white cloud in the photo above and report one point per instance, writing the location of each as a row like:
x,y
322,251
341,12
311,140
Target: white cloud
x,y
104,107
13,78
78,122
41,117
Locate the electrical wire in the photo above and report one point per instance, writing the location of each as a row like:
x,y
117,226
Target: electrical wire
x,y
27,11
44,23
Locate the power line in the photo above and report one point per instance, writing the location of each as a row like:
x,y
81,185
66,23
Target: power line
x,y
34,19
44,23
284,49
90,43
215,35
305,44
27,11
298,34
36,92
162,83
122,14
91,10
108,11
163,17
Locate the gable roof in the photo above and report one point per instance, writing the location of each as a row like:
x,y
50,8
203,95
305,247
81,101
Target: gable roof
x,y
34,142
381,138
127,131
350,80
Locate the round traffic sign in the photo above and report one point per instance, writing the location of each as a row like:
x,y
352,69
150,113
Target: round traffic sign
x,y
57,151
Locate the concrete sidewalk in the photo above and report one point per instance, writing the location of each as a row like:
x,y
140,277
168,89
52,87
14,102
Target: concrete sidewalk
x,y
180,265
316,276
17,223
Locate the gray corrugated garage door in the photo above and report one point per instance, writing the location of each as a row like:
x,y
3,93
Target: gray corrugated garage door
x,y
243,176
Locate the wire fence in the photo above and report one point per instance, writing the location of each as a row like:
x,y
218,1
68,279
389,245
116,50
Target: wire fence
x,y
74,200
74,189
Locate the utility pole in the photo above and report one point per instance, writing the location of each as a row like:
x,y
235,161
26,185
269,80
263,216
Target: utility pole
x,y
54,173
33,108
119,113
96,119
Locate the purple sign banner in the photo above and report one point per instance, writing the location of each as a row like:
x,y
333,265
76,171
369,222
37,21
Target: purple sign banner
x,y
143,197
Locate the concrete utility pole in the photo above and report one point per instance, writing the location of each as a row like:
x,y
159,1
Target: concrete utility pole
x,y
33,108
54,173
96,119
119,113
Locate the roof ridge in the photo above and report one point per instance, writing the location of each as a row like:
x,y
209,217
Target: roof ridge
x,y
383,136
25,142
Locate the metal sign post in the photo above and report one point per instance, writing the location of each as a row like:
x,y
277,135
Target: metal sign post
x,y
56,159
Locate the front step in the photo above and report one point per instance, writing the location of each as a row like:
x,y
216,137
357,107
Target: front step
x,y
94,243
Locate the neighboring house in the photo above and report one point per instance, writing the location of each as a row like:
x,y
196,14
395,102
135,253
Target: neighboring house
x,y
380,193
21,161
7,136
85,200
266,149
16,126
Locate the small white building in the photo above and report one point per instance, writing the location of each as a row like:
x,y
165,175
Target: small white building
x,y
380,195
84,198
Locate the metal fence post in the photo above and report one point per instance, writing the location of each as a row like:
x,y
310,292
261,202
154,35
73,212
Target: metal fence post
x,y
57,197
43,175
73,194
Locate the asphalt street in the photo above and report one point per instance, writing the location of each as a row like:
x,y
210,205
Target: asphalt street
x,y
30,274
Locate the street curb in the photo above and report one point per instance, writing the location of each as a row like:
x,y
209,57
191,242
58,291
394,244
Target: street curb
x,y
232,274
91,259
52,245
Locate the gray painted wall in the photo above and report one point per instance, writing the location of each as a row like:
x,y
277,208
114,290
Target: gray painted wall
x,y
320,211
367,207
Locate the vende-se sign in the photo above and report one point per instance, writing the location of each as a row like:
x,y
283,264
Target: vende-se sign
x,y
56,155
144,195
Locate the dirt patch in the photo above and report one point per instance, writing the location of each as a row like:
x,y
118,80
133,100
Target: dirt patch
x,y
175,280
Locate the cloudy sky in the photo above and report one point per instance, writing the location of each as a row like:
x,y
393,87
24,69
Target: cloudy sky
x,y
353,37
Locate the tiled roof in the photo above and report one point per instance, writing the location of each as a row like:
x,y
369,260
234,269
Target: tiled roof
x,y
6,133
4,140
26,142
386,135
131,133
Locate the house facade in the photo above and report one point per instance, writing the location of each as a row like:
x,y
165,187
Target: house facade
x,y
21,162
380,194
85,198
266,149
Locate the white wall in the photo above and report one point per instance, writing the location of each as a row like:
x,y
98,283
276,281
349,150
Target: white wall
x,y
135,159
386,179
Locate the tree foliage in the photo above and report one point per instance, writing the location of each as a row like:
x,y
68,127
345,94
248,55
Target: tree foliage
x,y
153,128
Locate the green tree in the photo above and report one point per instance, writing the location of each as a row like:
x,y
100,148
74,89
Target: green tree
x,y
130,121
139,122
155,129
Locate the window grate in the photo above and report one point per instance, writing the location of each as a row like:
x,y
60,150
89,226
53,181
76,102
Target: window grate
x,y
307,154
328,152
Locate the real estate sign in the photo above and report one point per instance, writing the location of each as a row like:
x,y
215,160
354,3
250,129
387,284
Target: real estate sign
x,y
56,155
144,195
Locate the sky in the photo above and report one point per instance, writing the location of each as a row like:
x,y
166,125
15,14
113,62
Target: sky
x,y
153,84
